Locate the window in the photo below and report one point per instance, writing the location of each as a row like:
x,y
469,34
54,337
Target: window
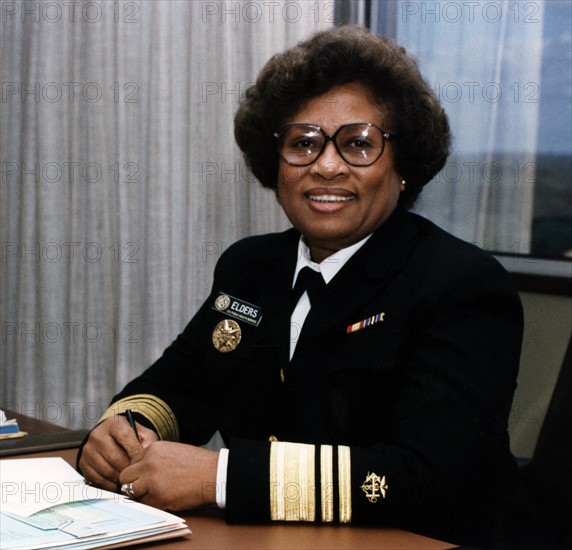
x,y
502,70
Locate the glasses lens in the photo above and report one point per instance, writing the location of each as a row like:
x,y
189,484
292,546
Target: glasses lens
x,y
359,144
300,144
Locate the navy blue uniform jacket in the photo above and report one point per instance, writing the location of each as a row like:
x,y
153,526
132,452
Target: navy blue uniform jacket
x,y
422,397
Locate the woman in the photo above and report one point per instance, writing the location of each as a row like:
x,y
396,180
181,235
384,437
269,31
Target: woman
x,y
380,395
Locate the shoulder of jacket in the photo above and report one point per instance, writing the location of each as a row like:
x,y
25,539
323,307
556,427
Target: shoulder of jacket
x,y
431,236
450,257
257,248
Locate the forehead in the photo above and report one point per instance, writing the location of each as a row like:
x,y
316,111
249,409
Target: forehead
x,y
343,104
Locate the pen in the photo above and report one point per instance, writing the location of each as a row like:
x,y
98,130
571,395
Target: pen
x,y
131,421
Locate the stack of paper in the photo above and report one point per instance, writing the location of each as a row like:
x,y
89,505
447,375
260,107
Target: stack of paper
x,y
46,504
9,428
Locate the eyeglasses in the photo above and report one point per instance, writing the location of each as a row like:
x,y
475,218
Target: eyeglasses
x,y
359,144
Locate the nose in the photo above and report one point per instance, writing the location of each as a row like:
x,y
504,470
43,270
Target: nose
x,y
329,164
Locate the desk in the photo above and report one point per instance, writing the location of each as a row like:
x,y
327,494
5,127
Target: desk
x,y
211,532
41,436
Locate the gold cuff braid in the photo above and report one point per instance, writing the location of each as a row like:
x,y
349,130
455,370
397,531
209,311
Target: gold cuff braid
x,y
153,409
293,490
292,484
327,483
345,483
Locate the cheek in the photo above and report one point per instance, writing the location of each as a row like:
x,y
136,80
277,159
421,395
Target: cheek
x,y
392,194
289,175
385,196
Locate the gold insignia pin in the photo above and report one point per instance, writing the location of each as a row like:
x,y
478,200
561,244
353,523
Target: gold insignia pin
x,y
226,336
374,487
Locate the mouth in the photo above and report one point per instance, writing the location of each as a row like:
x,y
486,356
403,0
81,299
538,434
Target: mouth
x,y
330,195
330,198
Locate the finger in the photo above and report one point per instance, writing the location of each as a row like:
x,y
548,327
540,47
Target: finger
x,y
134,489
146,435
132,472
94,476
105,453
108,456
106,463
96,479
125,437
125,442
102,459
105,440
95,467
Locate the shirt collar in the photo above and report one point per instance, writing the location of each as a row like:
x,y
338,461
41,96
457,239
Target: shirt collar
x,y
331,265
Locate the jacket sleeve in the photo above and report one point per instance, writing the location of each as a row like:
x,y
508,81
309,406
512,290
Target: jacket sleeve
x,y
173,388
177,395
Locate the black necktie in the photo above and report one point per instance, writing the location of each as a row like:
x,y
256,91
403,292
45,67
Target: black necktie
x,y
310,281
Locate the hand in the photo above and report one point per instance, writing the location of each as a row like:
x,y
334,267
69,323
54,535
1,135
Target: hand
x,y
109,450
173,476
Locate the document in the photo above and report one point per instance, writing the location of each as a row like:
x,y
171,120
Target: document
x,y
46,504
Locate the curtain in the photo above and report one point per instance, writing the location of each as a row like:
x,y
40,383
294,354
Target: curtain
x,y
483,60
121,183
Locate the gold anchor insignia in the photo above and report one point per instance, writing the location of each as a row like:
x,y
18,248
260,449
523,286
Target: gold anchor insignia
x,y
374,487
226,336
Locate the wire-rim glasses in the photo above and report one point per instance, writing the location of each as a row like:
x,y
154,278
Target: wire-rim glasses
x,y
359,143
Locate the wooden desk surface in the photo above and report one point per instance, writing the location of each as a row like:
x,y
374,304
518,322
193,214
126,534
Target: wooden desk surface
x,y
211,532
41,436
34,426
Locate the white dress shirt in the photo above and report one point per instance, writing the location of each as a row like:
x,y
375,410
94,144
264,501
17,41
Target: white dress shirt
x,y
328,268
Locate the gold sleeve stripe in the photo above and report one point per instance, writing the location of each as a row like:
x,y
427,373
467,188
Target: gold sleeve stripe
x,y
293,490
292,482
344,482
152,408
327,483
276,480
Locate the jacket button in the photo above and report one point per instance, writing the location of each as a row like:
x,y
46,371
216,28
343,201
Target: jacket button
x,y
282,376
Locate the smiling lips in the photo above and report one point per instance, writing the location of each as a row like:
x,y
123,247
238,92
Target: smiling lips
x,y
330,198
330,195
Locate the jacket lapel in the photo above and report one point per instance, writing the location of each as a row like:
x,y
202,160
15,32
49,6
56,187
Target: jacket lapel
x,y
363,275
274,279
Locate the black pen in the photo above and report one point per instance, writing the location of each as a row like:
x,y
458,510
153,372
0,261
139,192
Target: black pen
x,y
131,421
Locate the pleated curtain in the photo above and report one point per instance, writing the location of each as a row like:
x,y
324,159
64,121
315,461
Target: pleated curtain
x,y
121,183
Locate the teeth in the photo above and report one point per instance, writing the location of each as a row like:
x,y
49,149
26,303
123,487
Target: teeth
x,y
330,198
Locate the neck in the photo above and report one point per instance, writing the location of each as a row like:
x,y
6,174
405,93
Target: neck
x,y
319,254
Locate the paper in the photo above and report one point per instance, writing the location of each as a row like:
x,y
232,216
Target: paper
x,y
29,485
47,504
81,524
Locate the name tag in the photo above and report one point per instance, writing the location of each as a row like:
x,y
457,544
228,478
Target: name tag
x,y
237,308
